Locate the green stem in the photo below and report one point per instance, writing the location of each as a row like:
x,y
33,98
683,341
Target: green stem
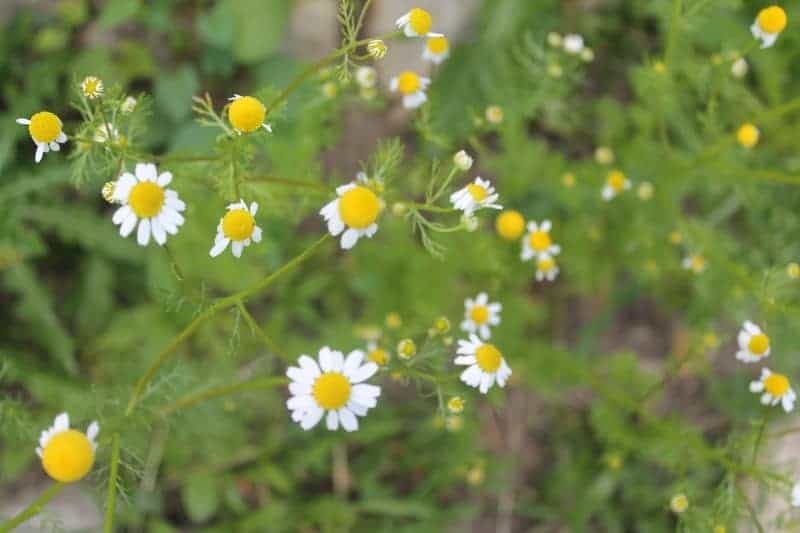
x,y
33,509
215,308
111,500
216,392
259,332
431,208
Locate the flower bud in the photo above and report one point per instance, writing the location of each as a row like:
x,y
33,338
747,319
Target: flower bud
x,y
406,349
376,48
462,160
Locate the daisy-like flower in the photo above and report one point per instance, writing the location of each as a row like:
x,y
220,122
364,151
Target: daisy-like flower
x,y
415,23
479,315
679,503
753,343
47,132
546,268
485,364
769,24
616,182
146,202
238,227
357,208
376,354
366,77
494,114
334,386
573,43
477,195
92,87
796,495
747,135
246,114
695,262
537,241
510,225
67,454
437,49
774,389
412,87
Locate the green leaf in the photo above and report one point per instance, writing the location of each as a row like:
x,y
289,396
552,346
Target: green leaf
x,y
260,25
200,497
118,11
174,92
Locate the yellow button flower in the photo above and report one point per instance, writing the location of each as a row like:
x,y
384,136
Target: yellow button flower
x,y
246,114
747,135
67,455
46,131
415,23
769,24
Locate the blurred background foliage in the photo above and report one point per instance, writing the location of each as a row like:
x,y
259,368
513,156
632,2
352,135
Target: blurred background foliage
x,y
625,391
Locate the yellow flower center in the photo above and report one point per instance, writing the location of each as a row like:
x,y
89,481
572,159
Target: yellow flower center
x,y
510,225
238,224
438,45
747,135
540,241
494,114
759,344
546,264
146,199
772,19
378,356
616,180
568,179
698,263
247,114
777,385
479,314
455,404
332,390
359,207
68,456
45,127
420,21
488,357
478,192
408,82
90,86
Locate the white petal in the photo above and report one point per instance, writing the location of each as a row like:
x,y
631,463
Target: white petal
x,y
236,248
219,247
332,421
364,373
164,179
349,238
159,234
312,417
143,233
23,121
309,365
128,224
325,359
121,214
305,401
353,361
348,419
337,360
61,423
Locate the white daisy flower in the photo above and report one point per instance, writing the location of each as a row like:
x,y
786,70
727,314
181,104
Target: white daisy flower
x,y
67,454
695,262
753,343
437,48
479,315
415,23
92,87
47,132
769,24
546,268
537,242
796,495
573,43
238,226
485,364
334,386
146,202
477,195
412,87
775,388
246,114
357,208
616,182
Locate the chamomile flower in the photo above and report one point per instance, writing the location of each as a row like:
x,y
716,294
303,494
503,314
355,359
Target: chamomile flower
x,y
616,182
477,195
480,314
377,49
747,135
546,268
573,43
485,362
237,227
366,77
246,114
510,225
769,24
679,503
774,389
455,405
537,242
462,160
437,49
333,386
754,344
47,132
412,86
695,262
796,495
356,208
415,23
67,454
376,354
494,114
92,87
146,202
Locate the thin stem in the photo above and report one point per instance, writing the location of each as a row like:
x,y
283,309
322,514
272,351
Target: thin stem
x,y
431,208
259,332
176,269
216,392
33,509
215,308
289,182
111,500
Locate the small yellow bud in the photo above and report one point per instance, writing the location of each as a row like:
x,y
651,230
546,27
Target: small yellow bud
x,y
679,503
554,70
476,475
793,270
376,48
108,191
659,67
675,237
555,39
399,209
455,405
568,179
330,89
494,114
406,349
604,155
393,320
645,190
442,325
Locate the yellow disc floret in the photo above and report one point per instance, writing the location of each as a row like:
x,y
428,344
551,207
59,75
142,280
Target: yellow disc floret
x,y
438,45
510,225
408,82
332,390
359,207
772,19
420,21
45,127
488,358
776,385
68,456
747,135
546,264
478,192
238,224
479,314
616,180
759,344
540,241
379,356
146,199
247,114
